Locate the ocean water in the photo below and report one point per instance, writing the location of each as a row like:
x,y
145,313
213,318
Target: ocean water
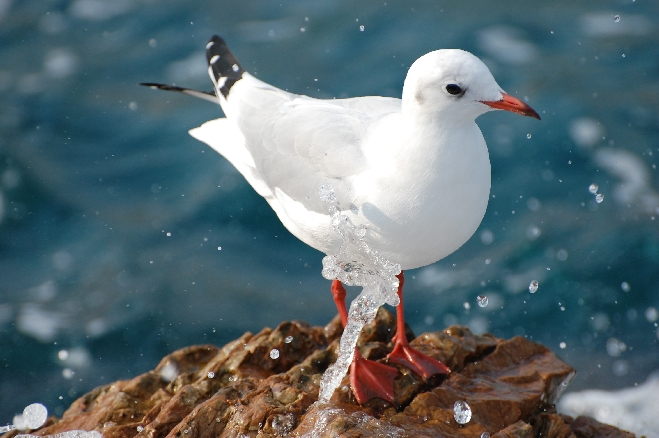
x,y
122,238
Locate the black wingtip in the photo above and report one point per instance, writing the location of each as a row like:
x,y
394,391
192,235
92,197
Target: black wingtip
x,y
155,86
223,65
206,95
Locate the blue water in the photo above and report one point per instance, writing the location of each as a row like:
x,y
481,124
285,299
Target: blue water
x,y
111,215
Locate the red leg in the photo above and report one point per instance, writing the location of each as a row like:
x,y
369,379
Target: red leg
x,y
368,379
403,354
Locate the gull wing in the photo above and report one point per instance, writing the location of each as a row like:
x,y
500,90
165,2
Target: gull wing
x,y
298,143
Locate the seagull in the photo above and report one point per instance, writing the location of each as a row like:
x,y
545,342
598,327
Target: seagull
x,y
415,171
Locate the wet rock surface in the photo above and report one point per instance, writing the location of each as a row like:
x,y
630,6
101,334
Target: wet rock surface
x,y
241,390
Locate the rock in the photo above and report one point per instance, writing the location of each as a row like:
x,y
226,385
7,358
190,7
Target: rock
x,y
241,390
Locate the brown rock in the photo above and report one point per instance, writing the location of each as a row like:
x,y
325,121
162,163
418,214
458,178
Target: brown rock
x,y
239,390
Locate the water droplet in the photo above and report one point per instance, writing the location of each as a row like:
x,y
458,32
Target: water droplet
x,y
528,135
487,237
620,367
485,435
235,67
461,412
593,188
614,347
288,339
533,232
35,415
169,372
599,198
274,353
140,428
625,286
186,431
481,300
651,314
466,305
219,248
169,234
563,345
616,18
361,28
211,374
533,287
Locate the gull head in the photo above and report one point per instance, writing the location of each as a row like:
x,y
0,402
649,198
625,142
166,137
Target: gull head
x,y
456,83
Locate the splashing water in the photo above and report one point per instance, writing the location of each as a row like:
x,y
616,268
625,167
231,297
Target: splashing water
x,y
355,265
34,416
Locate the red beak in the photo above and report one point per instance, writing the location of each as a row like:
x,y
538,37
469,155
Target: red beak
x,y
510,103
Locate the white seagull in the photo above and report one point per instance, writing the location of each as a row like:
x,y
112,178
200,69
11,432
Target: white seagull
x,y
414,171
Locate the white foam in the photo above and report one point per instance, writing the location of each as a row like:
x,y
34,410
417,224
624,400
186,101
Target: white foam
x,y
43,325
635,186
60,63
99,10
586,132
603,24
77,357
507,44
634,409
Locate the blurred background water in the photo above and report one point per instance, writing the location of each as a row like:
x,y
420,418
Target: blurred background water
x,y
122,238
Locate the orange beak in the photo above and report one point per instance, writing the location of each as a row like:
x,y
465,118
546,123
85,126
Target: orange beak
x,y
510,103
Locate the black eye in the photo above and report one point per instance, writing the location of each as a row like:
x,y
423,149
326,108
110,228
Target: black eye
x,y
454,89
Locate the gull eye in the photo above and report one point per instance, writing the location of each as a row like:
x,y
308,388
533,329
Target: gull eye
x,y
454,89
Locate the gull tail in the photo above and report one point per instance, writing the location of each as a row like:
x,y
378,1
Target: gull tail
x,y
206,95
223,67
